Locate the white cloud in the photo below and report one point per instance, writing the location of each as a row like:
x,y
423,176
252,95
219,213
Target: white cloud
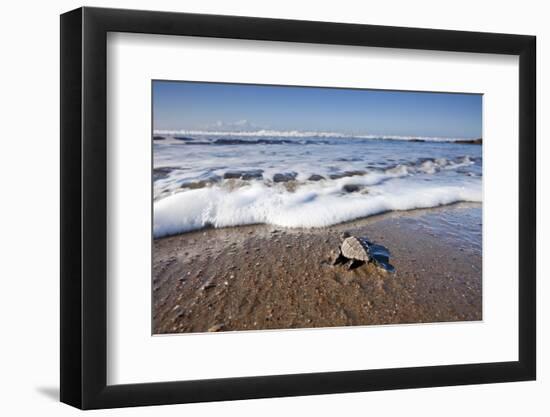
x,y
242,125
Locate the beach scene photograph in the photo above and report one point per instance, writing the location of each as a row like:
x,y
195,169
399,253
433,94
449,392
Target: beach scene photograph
x,y
298,207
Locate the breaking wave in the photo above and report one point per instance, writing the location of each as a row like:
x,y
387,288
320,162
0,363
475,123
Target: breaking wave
x,y
309,206
303,134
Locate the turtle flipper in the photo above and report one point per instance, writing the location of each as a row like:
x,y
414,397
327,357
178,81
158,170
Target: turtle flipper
x,y
355,264
340,259
386,266
379,253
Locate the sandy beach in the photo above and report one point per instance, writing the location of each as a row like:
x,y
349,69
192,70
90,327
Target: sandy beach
x,y
263,277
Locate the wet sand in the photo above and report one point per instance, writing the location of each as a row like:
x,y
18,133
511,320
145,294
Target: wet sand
x,y
263,277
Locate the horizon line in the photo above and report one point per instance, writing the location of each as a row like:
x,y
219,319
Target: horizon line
x,y
306,133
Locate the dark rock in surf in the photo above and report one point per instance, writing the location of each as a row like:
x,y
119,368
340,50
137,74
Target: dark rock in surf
x,y
316,177
244,175
161,172
194,185
158,137
230,141
352,188
252,175
478,141
285,177
347,174
197,142
232,175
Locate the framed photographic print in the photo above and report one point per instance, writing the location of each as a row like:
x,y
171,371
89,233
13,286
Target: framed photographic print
x,y
258,207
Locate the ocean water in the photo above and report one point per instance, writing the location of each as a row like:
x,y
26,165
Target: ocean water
x,y
303,179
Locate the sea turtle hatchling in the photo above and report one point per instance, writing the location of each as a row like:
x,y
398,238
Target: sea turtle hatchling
x,y
359,250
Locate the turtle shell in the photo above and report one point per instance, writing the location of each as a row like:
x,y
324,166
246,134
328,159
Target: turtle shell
x,y
356,248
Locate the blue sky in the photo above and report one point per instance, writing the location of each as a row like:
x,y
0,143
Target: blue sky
x,y
219,106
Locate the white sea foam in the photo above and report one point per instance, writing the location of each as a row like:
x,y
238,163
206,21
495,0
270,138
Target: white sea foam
x,y
310,206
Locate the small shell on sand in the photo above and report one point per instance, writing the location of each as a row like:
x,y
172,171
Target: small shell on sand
x,y
216,327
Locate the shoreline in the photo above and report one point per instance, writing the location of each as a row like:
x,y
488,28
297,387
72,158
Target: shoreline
x,y
261,277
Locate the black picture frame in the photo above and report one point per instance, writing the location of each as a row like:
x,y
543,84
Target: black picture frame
x,y
84,207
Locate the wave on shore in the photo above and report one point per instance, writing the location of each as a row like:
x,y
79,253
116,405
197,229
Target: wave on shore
x,y
318,204
244,178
